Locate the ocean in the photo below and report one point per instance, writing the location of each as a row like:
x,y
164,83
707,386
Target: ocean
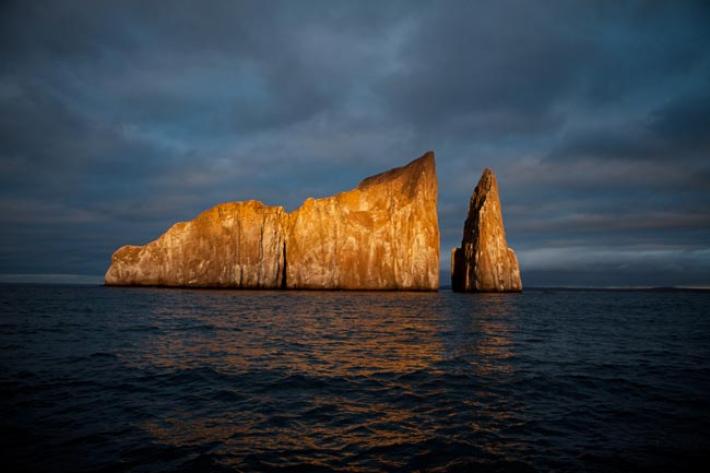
x,y
106,379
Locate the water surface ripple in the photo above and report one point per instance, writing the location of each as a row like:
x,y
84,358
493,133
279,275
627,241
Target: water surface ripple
x,y
153,380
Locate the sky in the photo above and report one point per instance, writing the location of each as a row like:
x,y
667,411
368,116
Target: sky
x,y
118,119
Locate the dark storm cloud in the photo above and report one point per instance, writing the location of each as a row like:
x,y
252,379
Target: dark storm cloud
x,y
119,119
678,131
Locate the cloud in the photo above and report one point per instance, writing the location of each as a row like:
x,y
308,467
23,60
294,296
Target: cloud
x,y
675,131
119,119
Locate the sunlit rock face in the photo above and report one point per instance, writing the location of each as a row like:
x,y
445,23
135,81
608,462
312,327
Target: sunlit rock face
x,y
236,244
484,262
384,234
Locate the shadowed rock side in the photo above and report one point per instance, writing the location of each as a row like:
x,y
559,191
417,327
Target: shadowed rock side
x,y
236,244
384,234
484,263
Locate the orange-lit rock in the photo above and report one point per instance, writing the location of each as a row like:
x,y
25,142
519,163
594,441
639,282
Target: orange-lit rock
x,y
236,244
484,262
384,234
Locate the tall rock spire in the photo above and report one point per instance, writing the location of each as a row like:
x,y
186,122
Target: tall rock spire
x,y
484,263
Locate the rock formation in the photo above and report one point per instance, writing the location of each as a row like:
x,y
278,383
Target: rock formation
x,y
384,234
236,244
484,263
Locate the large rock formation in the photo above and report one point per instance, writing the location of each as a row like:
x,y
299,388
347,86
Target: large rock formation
x,y
384,234
484,263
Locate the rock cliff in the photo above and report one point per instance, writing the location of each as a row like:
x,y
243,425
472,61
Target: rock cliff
x,y
384,234
236,244
484,263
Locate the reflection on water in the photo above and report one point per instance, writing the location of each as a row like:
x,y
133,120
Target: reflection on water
x,y
161,380
301,376
495,328
327,370
313,333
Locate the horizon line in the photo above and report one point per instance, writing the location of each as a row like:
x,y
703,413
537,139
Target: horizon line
x,y
96,280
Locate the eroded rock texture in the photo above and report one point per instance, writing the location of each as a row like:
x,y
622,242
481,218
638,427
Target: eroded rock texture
x,y
236,244
384,234
484,262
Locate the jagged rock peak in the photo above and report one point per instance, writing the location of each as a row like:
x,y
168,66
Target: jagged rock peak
x,y
384,234
484,262
424,166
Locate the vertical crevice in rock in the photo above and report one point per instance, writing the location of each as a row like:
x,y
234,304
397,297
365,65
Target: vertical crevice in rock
x,y
283,268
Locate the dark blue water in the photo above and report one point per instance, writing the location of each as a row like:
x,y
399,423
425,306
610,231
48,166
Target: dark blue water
x,y
154,380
